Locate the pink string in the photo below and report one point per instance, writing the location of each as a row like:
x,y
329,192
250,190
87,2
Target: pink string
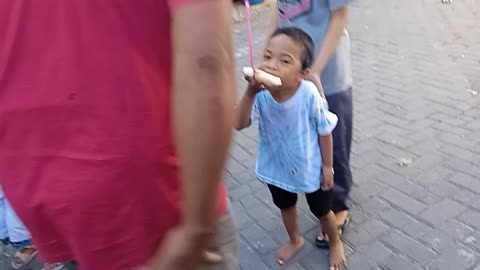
x,y
249,32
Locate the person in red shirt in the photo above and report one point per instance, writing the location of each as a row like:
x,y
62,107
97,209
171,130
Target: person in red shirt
x,y
115,123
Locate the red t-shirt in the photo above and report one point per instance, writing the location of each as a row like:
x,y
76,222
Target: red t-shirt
x,y
86,151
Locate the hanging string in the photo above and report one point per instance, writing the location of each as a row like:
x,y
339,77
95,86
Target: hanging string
x,y
249,33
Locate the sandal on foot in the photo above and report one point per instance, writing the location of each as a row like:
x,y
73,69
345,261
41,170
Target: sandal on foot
x,y
323,243
342,227
53,266
210,257
23,257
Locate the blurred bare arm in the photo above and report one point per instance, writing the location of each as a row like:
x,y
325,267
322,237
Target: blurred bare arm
x,y
330,43
203,105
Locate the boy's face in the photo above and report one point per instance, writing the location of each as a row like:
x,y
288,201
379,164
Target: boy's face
x,y
283,58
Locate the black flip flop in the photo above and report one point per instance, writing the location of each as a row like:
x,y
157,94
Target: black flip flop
x,y
323,244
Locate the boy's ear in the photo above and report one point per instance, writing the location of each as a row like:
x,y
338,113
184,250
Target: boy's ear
x,y
305,72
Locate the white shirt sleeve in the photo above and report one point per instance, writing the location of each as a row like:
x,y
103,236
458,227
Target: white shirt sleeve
x,y
324,120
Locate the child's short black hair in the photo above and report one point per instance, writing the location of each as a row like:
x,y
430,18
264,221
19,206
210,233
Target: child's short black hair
x,y
302,38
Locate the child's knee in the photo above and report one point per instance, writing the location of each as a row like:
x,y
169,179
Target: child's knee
x,y
282,199
285,203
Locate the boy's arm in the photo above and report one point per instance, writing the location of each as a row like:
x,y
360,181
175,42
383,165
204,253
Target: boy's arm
x,y
326,148
325,123
244,109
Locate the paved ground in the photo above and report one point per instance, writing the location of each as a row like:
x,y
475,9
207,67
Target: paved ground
x,y
416,156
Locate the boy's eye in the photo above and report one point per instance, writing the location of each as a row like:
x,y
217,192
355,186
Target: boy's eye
x,y
267,57
285,61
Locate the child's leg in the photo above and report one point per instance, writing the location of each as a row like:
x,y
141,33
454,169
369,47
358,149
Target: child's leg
x,y
16,230
3,220
337,253
287,201
21,239
320,204
4,241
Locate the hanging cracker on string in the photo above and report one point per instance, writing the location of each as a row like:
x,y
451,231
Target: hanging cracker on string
x,y
250,71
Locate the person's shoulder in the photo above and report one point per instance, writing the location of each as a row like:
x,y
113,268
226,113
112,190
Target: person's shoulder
x,y
309,89
308,85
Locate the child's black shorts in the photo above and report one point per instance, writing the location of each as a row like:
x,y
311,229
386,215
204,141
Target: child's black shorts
x,y
320,202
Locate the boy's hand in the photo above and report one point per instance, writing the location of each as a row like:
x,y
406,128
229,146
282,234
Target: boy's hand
x,y
253,86
315,78
327,183
181,250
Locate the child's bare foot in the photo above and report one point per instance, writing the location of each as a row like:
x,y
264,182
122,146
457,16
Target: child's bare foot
x,y
212,257
288,250
338,261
